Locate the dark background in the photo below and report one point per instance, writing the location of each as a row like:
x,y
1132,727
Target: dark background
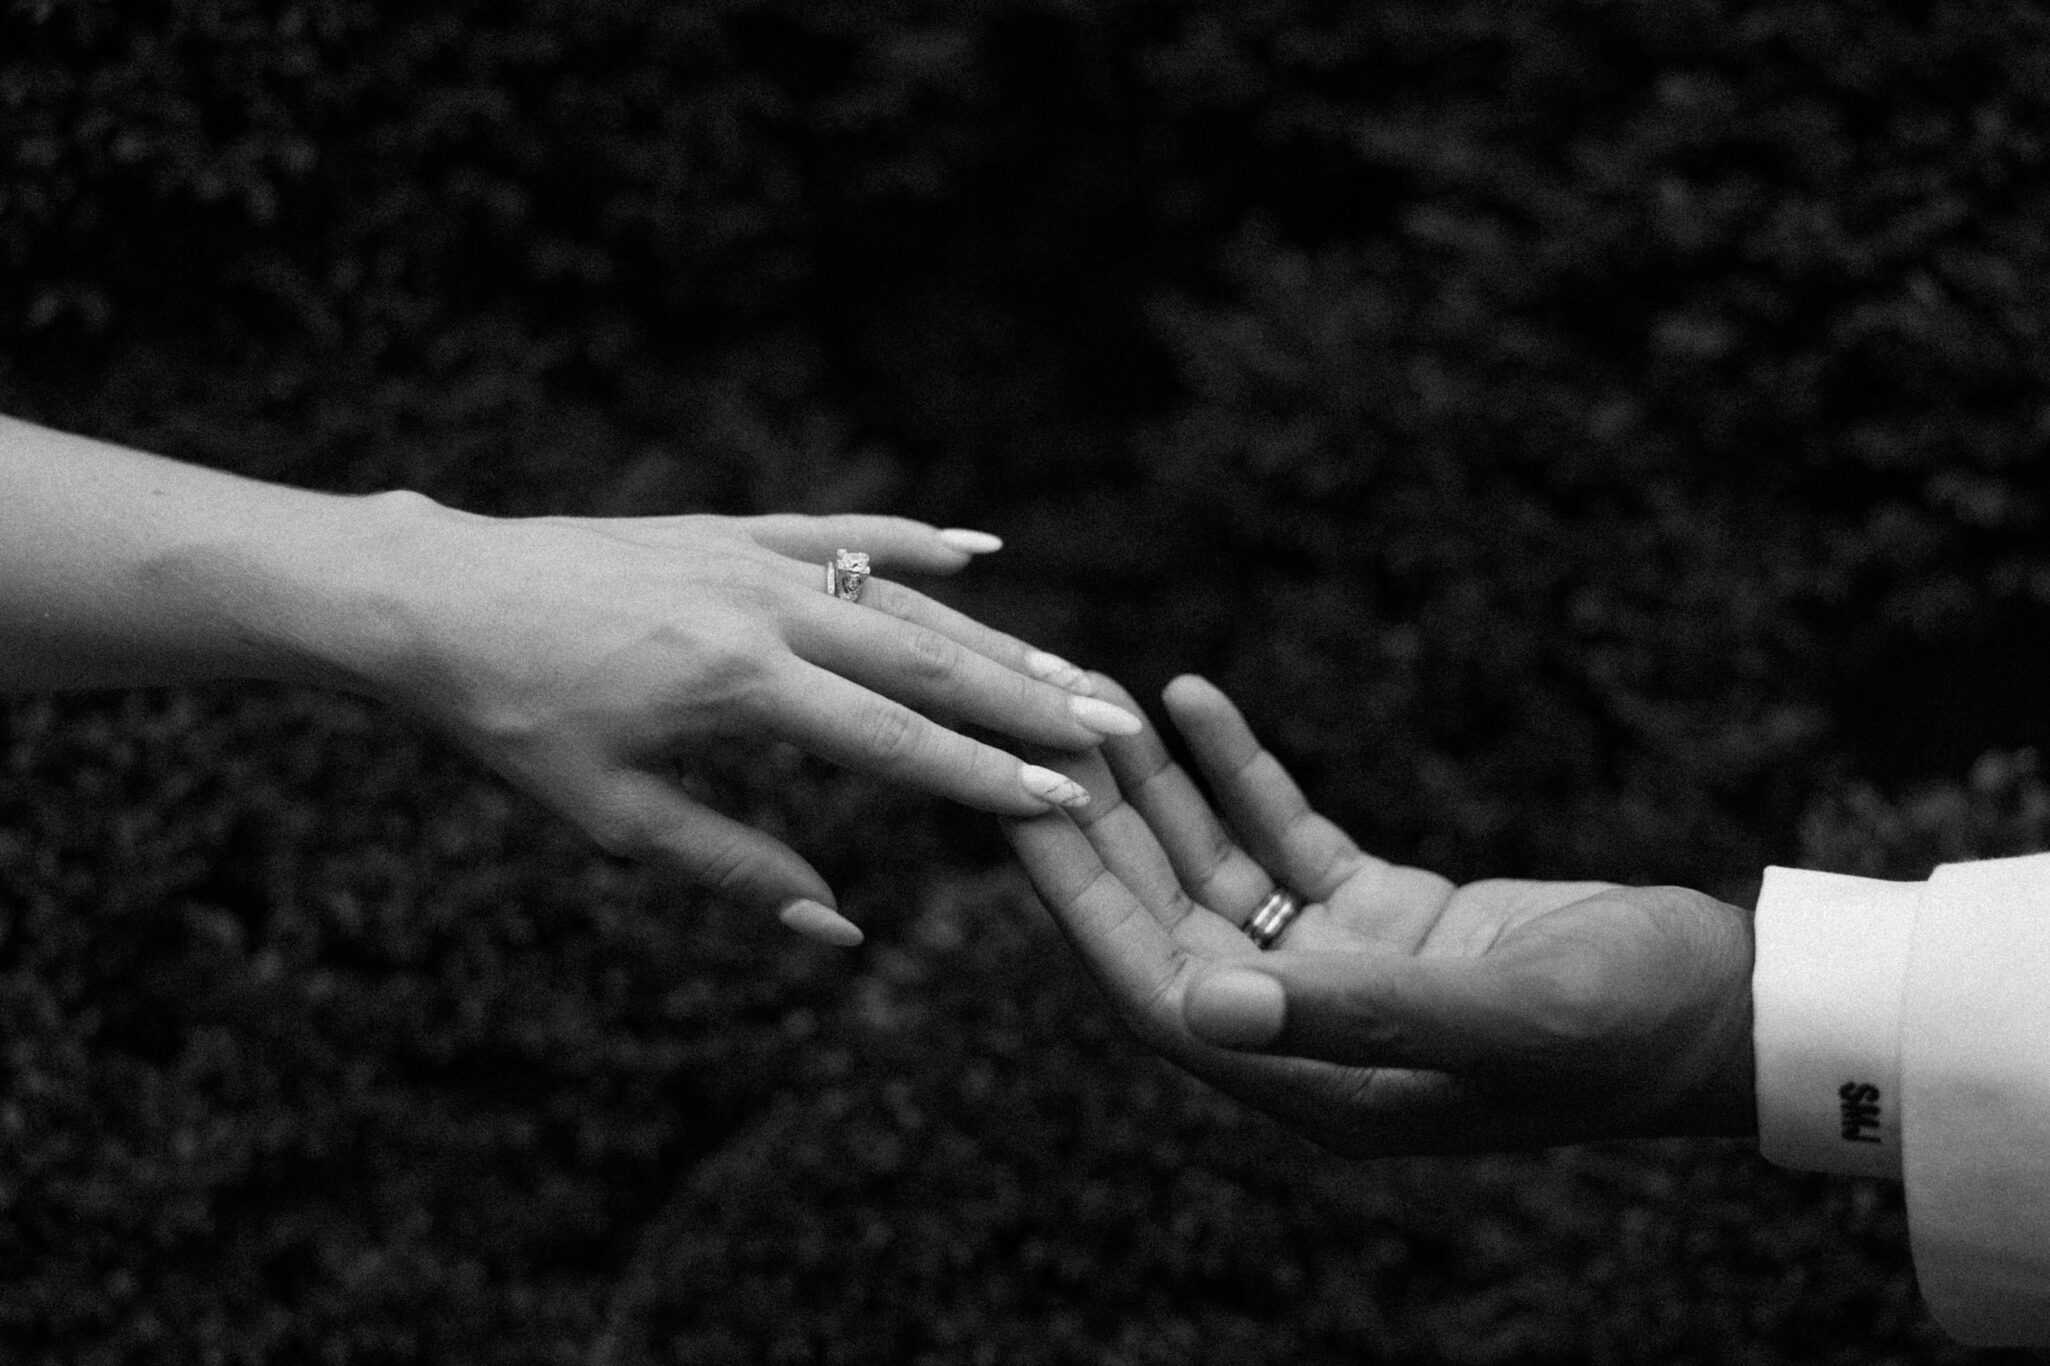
x,y
1594,439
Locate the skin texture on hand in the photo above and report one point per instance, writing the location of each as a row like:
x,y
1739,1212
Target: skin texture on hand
x,y
582,658
1399,1013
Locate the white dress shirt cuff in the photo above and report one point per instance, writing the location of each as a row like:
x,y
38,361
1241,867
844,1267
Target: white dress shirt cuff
x,y
1826,991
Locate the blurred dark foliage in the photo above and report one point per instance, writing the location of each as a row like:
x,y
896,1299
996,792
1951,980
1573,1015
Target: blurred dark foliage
x,y
1591,438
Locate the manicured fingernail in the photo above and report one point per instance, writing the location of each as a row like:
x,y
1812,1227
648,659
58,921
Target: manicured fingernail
x,y
971,542
1236,1008
1050,786
1103,718
1057,671
822,923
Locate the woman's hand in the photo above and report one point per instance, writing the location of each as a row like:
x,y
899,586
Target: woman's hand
x,y
1407,1014
583,657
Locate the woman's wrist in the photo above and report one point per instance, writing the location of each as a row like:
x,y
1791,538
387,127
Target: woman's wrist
x,y
122,569
337,598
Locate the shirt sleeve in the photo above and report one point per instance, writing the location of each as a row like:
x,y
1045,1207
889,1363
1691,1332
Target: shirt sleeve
x,y
1826,994
1975,1060
1903,1029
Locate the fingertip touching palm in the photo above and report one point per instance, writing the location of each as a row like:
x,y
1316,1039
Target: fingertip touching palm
x,y
1399,1012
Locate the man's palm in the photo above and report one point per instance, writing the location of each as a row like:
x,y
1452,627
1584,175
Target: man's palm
x,y
1401,1012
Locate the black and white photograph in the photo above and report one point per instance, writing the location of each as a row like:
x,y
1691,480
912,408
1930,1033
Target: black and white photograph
x,y
1024,683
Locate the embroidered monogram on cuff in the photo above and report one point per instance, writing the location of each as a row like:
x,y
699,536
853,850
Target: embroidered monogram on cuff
x,y
1826,994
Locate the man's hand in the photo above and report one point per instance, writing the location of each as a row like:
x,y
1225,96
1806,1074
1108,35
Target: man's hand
x,y
1405,1014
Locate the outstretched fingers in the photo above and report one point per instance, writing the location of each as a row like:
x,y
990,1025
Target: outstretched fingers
x,y
841,721
930,660
1129,846
641,815
1129,952
910,605
896,543
1207,861
1311,855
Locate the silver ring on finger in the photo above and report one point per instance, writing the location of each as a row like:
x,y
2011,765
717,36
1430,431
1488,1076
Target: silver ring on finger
x,y
1267,924
847,575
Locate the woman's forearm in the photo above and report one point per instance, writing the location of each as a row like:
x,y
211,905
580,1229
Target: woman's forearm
x,y
120,569
582,658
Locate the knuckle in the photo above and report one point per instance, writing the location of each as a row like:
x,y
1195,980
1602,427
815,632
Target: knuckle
x,y
1352,1091
728,673
755,591
625,834
890,732
1412,886
1246,771
1576,1007
727,866
1330,868
1154,772
1154,1014
1370,1028
930,657
1212,854
891,598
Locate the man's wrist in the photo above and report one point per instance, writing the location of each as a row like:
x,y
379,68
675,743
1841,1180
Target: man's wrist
x,y
1729,1100
1711,1063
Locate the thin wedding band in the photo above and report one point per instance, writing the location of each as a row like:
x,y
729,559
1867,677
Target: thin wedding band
x,y
847,575
1272,920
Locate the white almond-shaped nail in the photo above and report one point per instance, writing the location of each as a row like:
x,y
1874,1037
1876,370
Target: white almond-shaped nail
x,y
1104,718
1050,786
823,923
971,542
1050,668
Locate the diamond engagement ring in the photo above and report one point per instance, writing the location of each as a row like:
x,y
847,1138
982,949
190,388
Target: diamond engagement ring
x,y
846,575
1272,920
